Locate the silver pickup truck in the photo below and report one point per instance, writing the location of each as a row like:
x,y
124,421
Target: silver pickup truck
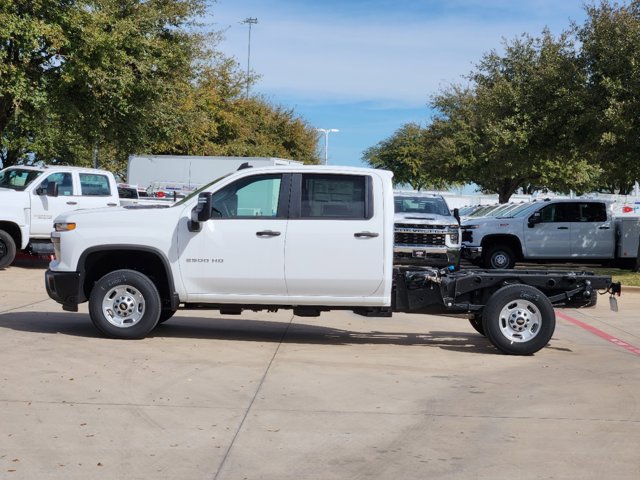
x,y
557,230
425,231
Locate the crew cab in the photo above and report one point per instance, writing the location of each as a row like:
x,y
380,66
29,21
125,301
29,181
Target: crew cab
x,y
558,230
31,197
307,238
425,231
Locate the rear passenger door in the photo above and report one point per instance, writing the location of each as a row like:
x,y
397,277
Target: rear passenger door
x,y
335,241
592,234
96,191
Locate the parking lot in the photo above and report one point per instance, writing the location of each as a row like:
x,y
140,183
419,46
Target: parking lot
x,y
273,396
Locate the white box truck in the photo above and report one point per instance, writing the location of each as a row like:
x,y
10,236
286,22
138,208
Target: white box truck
x,y
188,172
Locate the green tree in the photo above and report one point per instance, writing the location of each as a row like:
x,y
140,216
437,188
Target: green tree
x,y
407,155
213,117
85,74
522,122
611,54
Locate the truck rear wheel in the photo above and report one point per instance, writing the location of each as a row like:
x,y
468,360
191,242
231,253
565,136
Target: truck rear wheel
x,y
519,320
499,256
7,249
124,304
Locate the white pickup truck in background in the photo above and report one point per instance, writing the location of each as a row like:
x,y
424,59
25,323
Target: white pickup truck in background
x,y
550,230
31,197
307,238
426,232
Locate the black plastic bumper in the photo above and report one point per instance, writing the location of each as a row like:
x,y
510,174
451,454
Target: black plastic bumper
x,y
64,288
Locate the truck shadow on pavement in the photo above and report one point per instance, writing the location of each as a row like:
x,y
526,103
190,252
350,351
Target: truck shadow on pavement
x,y
247,330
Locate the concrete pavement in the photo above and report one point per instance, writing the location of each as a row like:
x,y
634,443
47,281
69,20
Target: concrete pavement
x,y
272,396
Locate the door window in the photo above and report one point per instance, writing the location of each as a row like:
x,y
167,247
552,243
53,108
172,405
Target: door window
x,y
64,181
593,212
559,212
334,196
253,197
94,185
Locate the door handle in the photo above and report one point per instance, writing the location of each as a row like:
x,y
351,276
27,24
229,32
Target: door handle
x,y
112,204
563,228
365,235
72,203
604,228
267,233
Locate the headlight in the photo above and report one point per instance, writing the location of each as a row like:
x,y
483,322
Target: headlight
x,y
469,227
64,227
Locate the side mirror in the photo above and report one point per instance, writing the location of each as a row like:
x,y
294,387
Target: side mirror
x,y
534,219
52,189
456,214
201,212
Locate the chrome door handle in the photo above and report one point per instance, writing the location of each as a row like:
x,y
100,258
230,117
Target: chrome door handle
x,y
365,235
267,233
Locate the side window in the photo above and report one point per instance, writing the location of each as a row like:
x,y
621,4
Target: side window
x,y
593,212
334,196
64,181
249,198
94,185
559,212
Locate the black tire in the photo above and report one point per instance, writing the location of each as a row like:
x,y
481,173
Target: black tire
x,y
519,320
499,257
166,314
7,249
124,304
476,323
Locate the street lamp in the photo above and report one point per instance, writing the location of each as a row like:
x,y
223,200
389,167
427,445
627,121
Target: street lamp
x,y
249,21
326,132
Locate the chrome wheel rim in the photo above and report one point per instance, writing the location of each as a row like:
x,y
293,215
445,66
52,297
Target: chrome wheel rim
x,y
123,306
520,321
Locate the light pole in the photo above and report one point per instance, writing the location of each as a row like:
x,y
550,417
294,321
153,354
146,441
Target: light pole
x,y
326,132
249,21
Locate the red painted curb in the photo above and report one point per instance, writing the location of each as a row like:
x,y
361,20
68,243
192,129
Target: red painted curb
x,y
609,338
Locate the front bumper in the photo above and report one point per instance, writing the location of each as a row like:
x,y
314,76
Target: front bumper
x,y
433,256
471,253
64,288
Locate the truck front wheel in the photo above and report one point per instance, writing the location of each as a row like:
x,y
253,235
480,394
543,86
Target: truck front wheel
x,y
499,256
519,320
124,304
7,249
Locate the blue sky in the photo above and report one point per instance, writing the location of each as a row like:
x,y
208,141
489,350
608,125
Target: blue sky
x,y
368,67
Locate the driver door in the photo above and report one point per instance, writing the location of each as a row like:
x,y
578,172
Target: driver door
x,y
238,255
45,209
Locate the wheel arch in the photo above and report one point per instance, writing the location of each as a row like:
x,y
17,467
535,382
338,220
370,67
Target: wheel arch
x,y
505,239
96,262
14,231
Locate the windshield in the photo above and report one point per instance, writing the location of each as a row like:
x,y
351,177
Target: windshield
x,y
195,193
524,209
424,205
17,178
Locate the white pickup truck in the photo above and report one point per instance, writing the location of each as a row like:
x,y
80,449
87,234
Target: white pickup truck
x,y
31,197
307,238
550,230
426,232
